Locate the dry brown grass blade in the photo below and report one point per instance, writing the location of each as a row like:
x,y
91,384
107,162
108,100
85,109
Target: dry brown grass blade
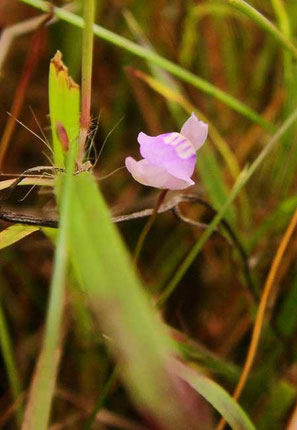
x,y
19,97
12,32
261,311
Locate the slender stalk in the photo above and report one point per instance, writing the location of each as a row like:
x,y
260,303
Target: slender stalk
x,y
154,58
148,226
86,72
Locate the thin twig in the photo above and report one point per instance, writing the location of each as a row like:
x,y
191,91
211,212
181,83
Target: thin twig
x,y
148,225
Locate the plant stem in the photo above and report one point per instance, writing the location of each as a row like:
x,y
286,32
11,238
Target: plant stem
x,y
148,226
86,73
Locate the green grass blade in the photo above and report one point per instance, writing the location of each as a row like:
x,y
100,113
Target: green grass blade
x,y
195,14
43,383
211,174
287,318
218,397
158,60
9,359
240,183
265,24
14,233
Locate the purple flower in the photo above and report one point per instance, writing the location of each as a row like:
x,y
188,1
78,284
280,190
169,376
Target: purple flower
x,y
169,159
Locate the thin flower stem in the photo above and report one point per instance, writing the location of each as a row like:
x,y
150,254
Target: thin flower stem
x,y
261,311
86,72
148,226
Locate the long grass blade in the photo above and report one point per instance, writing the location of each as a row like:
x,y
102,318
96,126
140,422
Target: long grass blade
x,y
265,24
218,397
43,384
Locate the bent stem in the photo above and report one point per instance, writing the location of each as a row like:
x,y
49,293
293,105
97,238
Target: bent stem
x,y
148,226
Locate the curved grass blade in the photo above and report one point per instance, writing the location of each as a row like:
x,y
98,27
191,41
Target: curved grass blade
x,y
265,24
217,396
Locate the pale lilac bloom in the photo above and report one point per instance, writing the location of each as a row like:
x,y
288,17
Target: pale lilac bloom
x,y
169,159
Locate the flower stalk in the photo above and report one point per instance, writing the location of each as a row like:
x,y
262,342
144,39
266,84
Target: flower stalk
x,y
148,226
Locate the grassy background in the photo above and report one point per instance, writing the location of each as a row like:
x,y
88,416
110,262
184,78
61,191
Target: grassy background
x,y
210,307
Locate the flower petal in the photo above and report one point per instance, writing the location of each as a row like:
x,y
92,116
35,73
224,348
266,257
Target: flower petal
x,y
171,151
155,176
196,131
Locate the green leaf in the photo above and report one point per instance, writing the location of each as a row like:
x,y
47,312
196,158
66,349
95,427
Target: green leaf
x,y
125,314
218,397
64,105
14,233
